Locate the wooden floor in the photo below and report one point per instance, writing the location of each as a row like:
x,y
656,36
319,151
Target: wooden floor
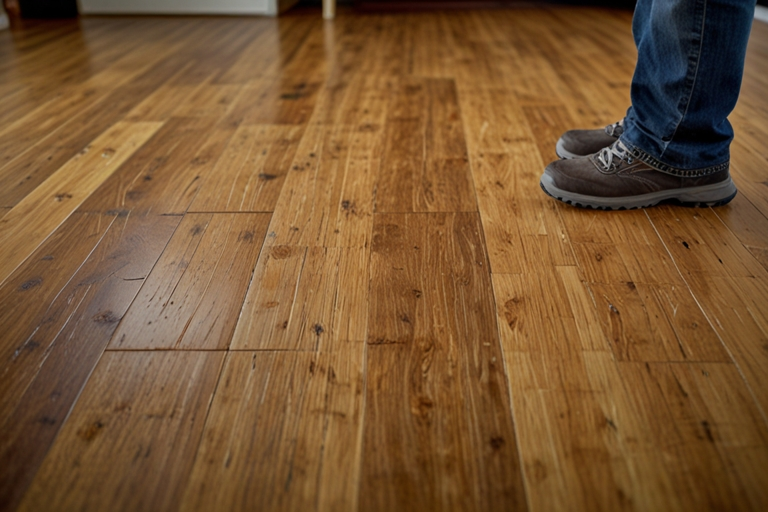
x,y
261,264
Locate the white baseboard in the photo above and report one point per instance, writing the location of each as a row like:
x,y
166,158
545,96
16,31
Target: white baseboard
x,y
4,23
761,13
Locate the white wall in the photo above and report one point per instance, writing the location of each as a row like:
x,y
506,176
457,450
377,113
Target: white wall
x,y
178,7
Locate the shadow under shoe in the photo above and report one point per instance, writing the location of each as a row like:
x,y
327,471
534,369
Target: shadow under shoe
x,y
613,180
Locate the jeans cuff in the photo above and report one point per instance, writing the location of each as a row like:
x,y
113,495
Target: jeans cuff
x,y
660,166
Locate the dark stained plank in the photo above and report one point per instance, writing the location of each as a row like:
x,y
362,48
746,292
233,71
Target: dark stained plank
x,y
60,310
36,216
192,298
702,421
438,423
142,412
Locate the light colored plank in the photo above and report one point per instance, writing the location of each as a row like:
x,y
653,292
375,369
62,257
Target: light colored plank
x,y
647,322
288,423
327,198
598,435
524,231
123,420
251,171
209,100
192,298
28,131
305,299
748,224
31,168
41,212
161,104
438,425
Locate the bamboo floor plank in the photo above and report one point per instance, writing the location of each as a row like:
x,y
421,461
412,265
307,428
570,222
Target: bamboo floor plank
x,y
287,95
165,175
425,167
597,434
729,284
192,298
251,171
305,299
152,436
43,210
274,43
328,195
60,310
432,340
363,358
20,177
327,198
290,422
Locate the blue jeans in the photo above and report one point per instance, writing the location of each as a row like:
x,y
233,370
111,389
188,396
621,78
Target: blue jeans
x,y
687,79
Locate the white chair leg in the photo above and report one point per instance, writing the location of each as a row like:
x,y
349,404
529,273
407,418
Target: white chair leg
x,y
329,9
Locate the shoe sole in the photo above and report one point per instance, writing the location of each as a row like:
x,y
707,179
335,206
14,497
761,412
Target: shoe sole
x,y
716,194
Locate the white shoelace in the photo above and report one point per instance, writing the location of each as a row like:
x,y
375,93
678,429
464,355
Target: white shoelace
x,y
615,150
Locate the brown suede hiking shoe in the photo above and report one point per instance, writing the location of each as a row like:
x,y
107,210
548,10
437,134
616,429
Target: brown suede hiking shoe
x,y
614,179
579,143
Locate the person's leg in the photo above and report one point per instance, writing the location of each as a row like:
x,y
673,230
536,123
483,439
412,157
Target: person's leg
x,y
676,135
687,79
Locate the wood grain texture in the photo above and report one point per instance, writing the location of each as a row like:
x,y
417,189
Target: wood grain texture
x,y
289,424
42,211
432,339
425,167
57,330
306,299
34,166
596,434
151,435
251,171
327,198
192,298
411,323
165,175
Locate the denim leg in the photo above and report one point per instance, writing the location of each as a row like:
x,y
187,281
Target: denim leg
x,y
687,79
